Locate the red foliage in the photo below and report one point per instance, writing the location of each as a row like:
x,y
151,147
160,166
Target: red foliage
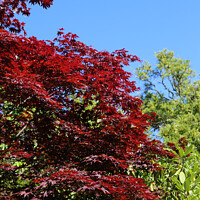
x,y
48,130
8,8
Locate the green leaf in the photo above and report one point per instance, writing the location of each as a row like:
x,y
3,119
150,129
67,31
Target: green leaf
x,y
182,177
176,198
194,198
18,164
151,187
180,149
197,181
33,109
5,106
178,184
188,150
177,172
9,118
196,167
187,184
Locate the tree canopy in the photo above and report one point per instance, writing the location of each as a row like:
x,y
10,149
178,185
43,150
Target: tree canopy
x,y
172,91
49,148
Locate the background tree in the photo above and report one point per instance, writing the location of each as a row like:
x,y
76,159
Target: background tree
x,y
56,146
172,91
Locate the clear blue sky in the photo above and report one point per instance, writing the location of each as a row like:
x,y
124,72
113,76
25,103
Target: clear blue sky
x,y
142,27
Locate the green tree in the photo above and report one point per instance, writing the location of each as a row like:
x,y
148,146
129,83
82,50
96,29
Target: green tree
x,y
173,93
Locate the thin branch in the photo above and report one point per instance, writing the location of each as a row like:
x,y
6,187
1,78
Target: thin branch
x,y
157,90
21,131
169,91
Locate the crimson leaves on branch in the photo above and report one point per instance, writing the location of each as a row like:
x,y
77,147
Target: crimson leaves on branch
x,y
50,150
8,8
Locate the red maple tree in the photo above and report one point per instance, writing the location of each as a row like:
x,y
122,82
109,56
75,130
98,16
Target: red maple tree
x,y
69,126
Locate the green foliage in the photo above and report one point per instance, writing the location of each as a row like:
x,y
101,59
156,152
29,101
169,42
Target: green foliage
x,y
180,177
87,108
181,174
170,90
14,178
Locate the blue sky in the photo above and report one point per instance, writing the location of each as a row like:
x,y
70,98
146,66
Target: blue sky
x,y
142,27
